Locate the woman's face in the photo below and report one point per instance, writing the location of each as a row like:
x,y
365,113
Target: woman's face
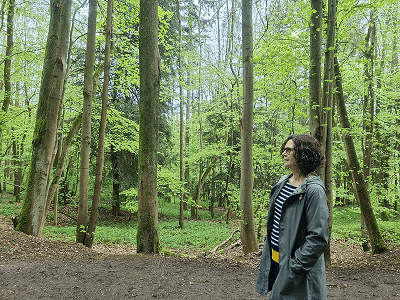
x,y
288,155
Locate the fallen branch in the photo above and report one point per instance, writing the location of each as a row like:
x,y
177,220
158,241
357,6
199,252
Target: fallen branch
x,y
9,183
68,215
235,244
224,242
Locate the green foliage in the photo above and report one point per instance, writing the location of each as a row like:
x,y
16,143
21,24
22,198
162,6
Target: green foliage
x,y
131,202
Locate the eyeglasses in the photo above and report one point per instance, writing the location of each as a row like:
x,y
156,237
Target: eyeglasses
x,y
287,150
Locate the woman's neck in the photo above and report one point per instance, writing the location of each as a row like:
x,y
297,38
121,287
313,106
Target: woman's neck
x,y
296,179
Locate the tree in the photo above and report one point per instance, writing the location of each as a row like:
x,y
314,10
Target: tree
x,y
88,93
181,113
315,68
248,235
362,194
150,73
102,132
328,106
33,213
7,61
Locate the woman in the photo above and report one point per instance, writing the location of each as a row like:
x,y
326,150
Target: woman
x,y
292,263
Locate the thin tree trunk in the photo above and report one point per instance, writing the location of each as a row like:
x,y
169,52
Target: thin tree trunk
x,y
150,74
116,205
102,132
369,101
7,61
61,159
248,235
32,214
315,69
328,116
181,113
377,242
88,93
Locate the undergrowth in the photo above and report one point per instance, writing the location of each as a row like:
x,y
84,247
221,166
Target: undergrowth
x,y
204,234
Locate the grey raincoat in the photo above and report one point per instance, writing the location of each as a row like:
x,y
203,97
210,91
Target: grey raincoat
x,y
303,238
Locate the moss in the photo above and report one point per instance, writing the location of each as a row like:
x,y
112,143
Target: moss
x,y
39,131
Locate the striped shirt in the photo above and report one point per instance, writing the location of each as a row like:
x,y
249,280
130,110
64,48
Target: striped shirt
x,y
286,191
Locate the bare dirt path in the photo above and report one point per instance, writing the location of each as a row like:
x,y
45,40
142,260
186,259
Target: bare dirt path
x,y
37,268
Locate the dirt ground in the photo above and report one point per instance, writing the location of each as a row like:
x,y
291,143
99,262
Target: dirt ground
x,y
37,268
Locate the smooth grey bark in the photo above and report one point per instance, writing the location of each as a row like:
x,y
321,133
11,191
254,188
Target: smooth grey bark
x,y
88,93
248,234
150,75
315,69
89,237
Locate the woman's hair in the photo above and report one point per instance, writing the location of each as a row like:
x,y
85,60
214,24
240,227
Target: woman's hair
x,y
307,152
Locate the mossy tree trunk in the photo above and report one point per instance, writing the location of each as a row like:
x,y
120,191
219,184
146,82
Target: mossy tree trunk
x,y
248,234
377,242
88,92
32,215
150,73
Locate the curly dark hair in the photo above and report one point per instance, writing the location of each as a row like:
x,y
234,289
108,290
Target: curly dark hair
x,y
308,153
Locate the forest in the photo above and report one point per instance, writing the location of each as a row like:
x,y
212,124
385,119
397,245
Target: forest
x,y
143,107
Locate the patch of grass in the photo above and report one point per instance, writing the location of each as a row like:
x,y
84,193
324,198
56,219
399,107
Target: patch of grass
x,y
106,233
67,234
8,207
196,235
347,226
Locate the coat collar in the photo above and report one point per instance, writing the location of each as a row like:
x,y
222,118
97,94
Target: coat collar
x,y
311,178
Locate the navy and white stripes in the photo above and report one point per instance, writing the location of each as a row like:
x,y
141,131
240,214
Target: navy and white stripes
x,y
286,191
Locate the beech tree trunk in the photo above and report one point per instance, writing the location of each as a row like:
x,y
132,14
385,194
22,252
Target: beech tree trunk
x,y
88,92
7,63
377,242
315,69
102,132
181,113
248,234
327,100
32,214
150,75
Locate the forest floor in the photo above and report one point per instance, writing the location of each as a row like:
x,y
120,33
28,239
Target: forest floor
x,y
39,268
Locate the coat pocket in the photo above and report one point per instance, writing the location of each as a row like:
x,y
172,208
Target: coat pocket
x,y
289,284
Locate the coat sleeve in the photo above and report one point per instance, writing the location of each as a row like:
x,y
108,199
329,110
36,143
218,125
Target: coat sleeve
x,y
317,231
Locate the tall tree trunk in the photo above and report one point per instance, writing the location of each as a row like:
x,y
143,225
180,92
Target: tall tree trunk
x,y
150,74
369,101
7,61
181,113
328,115
315,69
248,234
368,111
377,242
102,132
32,214
88,94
